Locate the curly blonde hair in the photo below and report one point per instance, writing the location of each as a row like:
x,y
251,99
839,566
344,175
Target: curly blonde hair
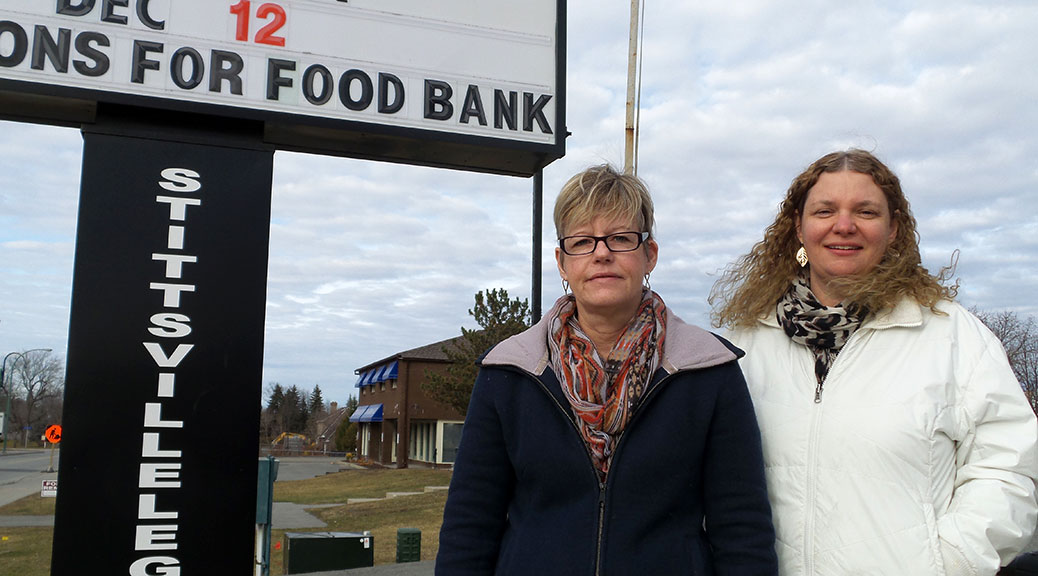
x,y
751,287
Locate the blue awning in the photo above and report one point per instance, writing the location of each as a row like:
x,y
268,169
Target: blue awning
x,y
365,379
358,413
390,373
379,374
367,413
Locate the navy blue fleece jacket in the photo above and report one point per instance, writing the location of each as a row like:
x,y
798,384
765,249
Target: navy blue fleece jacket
x,y
685,492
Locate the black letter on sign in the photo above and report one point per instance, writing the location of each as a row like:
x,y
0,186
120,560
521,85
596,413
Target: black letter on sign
x,y
101,62
438,100
473,107
326,85
142,13
366,90
67,8
176,68
535,111
274,79
56,51
218,72
21,44
505,110
140,59
108,11
385,80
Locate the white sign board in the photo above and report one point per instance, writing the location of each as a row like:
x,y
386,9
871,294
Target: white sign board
x,y
479,68
49,489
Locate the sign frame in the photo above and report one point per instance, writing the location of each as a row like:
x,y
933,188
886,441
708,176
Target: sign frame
x,y
365,137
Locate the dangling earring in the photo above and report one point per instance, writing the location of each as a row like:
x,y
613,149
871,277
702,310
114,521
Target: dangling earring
x,y
802,256
647,285
565,286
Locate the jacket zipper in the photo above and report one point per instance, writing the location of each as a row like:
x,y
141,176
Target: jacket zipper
x,y
602,486
812,456
601,525
828,370
591,464
809,510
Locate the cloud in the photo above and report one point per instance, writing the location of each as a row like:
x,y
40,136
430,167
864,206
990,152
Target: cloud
x,y
368,258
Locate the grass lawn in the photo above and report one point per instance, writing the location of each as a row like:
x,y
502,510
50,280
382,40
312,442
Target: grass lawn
x,y
26,551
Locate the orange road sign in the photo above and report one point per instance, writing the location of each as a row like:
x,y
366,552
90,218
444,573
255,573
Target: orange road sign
x,y
53,433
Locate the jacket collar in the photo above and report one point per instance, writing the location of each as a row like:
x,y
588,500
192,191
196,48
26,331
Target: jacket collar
x,y
686,347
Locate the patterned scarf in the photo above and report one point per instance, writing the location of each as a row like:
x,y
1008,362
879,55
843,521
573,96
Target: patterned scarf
x,y
822,329
604,395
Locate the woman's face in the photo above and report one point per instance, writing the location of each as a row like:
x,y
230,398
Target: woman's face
x,y
603,282
846,227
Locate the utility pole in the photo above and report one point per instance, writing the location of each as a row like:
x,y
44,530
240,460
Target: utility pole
x,y
630,126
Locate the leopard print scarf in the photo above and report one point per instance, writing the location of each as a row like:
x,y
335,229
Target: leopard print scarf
x,y
822,329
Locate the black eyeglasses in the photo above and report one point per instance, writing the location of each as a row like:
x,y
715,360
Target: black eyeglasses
x,y
619,242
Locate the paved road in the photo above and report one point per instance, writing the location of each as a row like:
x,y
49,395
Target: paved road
x,y
303,467
22,473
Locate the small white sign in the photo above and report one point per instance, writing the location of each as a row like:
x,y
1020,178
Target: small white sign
x,y
50,489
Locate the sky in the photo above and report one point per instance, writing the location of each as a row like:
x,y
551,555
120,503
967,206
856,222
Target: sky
x,y
368,259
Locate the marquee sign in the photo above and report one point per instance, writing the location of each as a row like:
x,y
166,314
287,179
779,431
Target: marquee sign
x,y
182,104
369,78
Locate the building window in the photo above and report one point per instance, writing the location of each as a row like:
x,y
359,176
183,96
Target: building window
x,y
382,387
423,442
451,434
392,384
365,440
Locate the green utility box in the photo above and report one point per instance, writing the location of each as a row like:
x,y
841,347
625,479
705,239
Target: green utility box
x,y
408,545
325,551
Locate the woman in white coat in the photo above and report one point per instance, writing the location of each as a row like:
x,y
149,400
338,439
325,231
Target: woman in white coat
x,y
896,438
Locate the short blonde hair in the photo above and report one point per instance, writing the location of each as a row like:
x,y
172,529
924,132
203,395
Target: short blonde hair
x,y
602,191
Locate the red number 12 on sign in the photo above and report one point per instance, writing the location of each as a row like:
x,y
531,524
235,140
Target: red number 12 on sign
x,y
274,12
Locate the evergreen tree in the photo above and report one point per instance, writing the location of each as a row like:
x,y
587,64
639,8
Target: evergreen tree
x,y
498,318
346,433
316,401
277,398
272,418
294,410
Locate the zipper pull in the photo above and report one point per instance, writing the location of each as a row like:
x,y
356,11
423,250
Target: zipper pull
x,y
818,393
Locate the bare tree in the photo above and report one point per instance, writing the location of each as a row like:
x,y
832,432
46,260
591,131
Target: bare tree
x,y
1019,337
37,380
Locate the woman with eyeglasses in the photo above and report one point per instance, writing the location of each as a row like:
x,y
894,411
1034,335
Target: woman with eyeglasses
x,y
611,438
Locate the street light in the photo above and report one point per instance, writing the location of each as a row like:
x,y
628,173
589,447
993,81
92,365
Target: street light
x,y
7,391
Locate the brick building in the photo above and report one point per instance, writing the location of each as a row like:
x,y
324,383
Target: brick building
x,y
398,423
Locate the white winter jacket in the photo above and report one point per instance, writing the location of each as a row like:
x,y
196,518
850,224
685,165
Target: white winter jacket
x,y
918,460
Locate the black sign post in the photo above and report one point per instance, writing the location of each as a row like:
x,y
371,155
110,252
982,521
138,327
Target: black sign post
x,y
163,386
